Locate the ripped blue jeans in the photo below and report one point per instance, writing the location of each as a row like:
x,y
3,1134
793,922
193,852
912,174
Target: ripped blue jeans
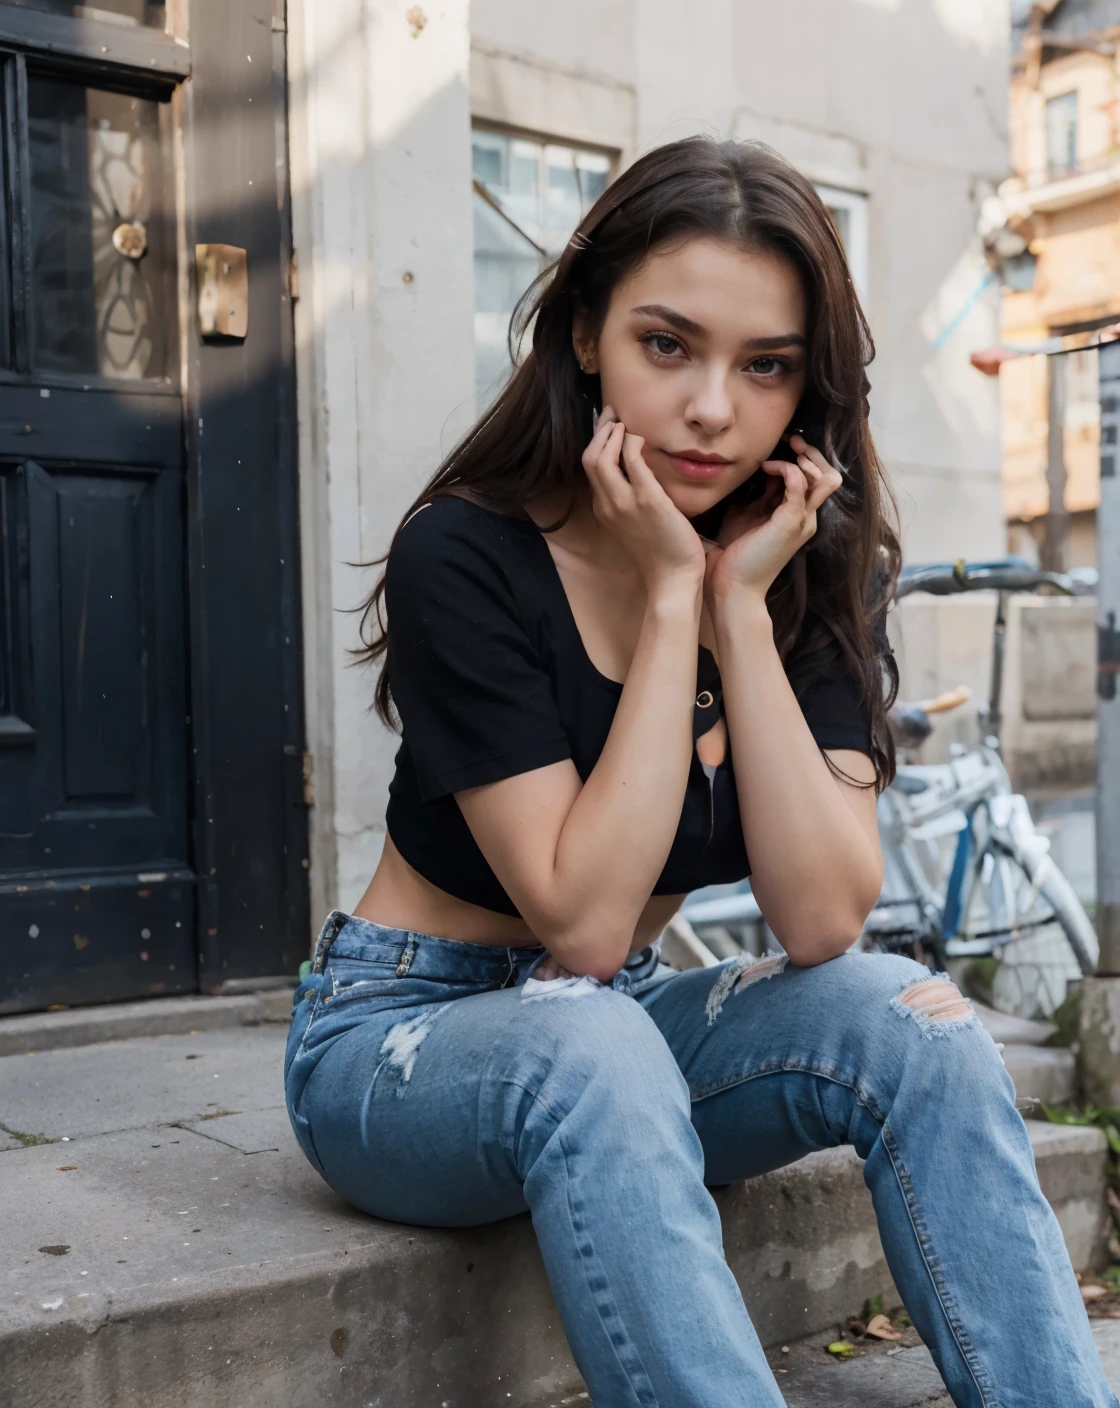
x,y
430,1083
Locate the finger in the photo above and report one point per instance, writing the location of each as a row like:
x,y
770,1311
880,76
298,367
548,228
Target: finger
x,y
637,471
829,482
802,447
808,471
607,422
607,481
791,475
812,470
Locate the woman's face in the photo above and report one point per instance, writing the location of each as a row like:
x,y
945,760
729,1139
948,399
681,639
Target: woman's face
x,y
702,353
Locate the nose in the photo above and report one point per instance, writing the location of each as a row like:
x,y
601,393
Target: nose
x,y
709,410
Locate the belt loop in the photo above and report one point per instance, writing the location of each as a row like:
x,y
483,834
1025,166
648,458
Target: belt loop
x,y
506,981
336,921
407,956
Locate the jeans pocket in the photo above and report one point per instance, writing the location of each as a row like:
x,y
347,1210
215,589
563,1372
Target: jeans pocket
x,y
347,978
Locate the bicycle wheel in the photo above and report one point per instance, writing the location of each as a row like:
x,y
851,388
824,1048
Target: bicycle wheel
x,y
1039,931
1070,913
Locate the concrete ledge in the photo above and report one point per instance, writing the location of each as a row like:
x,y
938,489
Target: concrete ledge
x,y
1046,1073
199,1274
157,1016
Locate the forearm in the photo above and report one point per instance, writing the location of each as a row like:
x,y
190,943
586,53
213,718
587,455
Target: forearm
x,y
815,871
620,828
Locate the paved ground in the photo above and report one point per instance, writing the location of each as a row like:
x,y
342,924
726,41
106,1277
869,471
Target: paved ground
x,y
889,1378
147,1177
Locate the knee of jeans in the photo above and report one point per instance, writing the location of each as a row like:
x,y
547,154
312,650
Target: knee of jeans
x,y
936,1005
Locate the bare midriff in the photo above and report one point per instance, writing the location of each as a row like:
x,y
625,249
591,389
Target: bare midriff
x,y
400,898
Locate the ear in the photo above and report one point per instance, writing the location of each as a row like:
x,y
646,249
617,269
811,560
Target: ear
x,y
585,344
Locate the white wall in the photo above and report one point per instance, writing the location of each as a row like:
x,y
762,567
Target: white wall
x,y
904,102
380,157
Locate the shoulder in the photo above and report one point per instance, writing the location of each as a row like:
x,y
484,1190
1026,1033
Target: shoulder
x,y
450,528
452,553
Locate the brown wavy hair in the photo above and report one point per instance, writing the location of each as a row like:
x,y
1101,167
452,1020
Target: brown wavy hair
x,y
829,603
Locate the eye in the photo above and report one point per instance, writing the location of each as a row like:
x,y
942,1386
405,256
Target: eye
x,y
662,344
768,366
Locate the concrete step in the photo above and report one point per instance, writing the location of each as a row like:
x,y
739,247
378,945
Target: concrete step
x,y
1021,1031
1044,1073
156,1016
170,1247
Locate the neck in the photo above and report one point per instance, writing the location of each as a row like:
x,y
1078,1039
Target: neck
x,y
582,535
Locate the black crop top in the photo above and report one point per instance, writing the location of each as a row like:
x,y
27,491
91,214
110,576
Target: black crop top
x,y
490,678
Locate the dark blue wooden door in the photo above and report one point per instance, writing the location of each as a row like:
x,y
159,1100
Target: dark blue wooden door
x,y
97,892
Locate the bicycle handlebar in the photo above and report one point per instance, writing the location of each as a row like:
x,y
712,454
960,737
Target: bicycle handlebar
x,y
1010,574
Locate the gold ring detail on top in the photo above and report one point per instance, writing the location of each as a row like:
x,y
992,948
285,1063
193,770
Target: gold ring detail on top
x,y
705,699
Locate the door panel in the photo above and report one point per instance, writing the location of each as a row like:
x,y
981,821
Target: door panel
x,y
97,893
106,598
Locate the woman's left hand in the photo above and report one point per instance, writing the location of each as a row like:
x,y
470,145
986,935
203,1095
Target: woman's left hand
x,y
757,540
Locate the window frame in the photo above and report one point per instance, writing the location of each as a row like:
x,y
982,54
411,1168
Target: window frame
x,y
1060,171
857,247
538,238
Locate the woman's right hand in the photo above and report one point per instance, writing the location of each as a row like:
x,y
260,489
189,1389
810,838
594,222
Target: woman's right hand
x,y
634,508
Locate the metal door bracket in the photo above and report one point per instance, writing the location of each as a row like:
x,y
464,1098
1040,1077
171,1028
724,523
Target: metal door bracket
x,y
223,290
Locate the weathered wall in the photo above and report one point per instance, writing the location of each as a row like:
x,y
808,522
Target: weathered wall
x,y
902,102
380,156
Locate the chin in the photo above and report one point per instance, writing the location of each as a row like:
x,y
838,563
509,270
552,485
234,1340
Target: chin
x,y
693,500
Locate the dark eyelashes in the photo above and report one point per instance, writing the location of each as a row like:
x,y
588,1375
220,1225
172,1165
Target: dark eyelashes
x,y
649,338
781,364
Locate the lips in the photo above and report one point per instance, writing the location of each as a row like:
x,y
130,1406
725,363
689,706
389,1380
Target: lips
x,y
698,471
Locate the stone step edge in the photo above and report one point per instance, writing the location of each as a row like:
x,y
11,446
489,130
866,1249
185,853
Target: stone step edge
x,y
156,1016
402,1251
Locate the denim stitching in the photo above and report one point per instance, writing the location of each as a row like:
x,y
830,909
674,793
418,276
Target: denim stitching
x,y
599,1287
827,1070
964,1344
310,1019
933,1263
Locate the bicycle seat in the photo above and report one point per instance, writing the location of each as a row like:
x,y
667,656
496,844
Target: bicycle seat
x,y
909,724
1007,574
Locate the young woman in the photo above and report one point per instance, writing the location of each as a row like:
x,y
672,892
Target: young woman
x,y
627,651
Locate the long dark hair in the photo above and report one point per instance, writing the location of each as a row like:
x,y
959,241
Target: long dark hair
x,y
829,603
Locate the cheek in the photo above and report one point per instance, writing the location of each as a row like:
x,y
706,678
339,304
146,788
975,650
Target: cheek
x,y
640,397
767,414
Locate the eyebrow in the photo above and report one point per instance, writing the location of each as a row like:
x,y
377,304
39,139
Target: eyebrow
x,y
683,324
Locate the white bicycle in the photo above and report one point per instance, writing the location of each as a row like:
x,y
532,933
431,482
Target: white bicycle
x,y
967,873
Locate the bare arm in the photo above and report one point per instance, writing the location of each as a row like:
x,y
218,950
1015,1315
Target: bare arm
x,y
580,861
816,864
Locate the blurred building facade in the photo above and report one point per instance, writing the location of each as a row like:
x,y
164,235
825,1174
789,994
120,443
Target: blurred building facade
x,y
1063,200
442,152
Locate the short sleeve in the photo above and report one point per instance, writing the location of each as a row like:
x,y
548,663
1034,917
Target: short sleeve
x,y
837,713
466,680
